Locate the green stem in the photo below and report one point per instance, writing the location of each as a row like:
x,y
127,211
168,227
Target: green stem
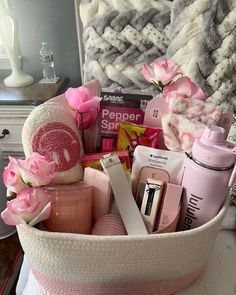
x,y
159,87
82,131
9,198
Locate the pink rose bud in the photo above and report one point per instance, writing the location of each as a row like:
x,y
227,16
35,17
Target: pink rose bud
x,y
12,178
163,71
184,88
84,104
31,205
36,170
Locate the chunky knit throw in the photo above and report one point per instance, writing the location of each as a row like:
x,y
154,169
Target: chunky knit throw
x,y
203,34
119,36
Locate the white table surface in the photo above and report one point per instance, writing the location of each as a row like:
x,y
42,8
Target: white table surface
x,y
219,277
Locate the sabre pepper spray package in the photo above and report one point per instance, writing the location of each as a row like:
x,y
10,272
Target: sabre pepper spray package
x,y
114,108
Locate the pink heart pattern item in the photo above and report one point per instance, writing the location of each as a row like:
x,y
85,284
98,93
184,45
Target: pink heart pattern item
x,y
58,143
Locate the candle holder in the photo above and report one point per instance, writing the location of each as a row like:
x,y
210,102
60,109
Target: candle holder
x,y
71,208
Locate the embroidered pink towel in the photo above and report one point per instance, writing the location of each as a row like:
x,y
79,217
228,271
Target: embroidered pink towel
x,y
186,121
51,131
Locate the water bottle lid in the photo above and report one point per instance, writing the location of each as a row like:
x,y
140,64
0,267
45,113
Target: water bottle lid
x,y
212,149
213,135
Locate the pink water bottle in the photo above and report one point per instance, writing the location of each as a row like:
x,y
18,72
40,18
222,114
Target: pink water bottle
x,y
209,172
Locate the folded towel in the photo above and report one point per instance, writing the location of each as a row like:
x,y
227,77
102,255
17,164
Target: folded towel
x,y
186,121
180,132
51,131
195,110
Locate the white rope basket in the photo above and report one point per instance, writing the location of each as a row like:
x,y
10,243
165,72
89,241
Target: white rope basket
x,y
65,263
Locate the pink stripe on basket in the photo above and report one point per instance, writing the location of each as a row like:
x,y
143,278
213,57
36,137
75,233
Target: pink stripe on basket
x,y
163,287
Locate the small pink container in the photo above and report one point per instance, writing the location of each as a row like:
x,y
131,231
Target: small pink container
x,y
109,225
71,208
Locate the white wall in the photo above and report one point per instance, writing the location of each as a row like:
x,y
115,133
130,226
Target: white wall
x,y
52,21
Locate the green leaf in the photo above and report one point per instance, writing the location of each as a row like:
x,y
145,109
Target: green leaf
x,y
160,84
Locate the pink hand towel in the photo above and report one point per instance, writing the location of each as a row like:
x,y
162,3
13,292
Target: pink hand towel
x,y
195,110
186,121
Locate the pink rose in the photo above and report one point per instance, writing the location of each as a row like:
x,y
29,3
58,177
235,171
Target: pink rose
x,y
32,205
12,178
36,170
162,71
184,88
85,104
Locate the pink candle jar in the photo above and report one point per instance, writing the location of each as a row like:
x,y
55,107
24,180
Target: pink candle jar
x,y
71,208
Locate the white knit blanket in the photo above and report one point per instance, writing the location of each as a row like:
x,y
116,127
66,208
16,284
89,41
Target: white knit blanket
x,y
202,34
119,36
